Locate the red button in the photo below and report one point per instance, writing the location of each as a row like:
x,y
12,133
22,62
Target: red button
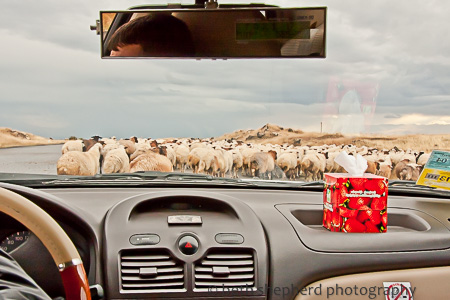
x,y
188,245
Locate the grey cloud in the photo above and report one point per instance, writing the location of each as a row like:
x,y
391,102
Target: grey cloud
x,y
52,73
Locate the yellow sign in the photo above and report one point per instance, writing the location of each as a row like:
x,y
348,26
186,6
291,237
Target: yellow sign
x,y
436,172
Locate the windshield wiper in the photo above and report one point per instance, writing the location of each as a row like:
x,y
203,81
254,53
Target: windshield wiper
x,y
154,178
409,184
150,178
411,188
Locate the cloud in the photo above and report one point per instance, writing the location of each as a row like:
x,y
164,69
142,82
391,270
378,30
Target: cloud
x,y
420,119
51,63
392,116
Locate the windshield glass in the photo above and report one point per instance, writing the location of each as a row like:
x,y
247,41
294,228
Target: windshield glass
x,y
381,91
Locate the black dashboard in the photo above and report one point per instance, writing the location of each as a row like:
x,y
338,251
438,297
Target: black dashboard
x,y
174,243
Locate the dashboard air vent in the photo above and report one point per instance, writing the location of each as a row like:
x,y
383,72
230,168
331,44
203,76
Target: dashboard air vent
x,y
226,270
150,271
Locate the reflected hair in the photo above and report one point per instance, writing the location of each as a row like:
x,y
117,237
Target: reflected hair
x,y
158,34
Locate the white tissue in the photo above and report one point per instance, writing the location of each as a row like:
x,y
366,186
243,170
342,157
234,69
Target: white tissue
x,y
354,166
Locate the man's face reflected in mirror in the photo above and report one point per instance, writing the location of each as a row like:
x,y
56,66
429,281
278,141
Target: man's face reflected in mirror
x,y
159,35
131,50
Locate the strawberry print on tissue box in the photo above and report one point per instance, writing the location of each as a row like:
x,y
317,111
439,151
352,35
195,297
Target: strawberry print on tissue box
x,y
355,204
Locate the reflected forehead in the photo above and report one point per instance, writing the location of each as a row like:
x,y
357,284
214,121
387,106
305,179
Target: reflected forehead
x,y
128,50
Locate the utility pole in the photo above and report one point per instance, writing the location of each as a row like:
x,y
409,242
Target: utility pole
x,y
320,127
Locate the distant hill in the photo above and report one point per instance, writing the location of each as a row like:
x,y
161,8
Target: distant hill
x,y
275,134
15,138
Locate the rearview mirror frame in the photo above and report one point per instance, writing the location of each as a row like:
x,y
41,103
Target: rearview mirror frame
x,y
250,32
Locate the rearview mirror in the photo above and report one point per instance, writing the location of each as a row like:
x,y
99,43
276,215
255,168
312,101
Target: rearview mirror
x,y
214,33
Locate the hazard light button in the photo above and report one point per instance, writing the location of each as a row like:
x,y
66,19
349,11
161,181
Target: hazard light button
x,y
188,245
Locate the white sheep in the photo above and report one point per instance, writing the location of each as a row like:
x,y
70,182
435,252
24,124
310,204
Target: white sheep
x,y
219,167
197,145
228,156
73,145
108,141
171,155
410,172
130,146
238,162
150,161
116,161
247,153
288,163
331,166
181,153
201,159
262,164
313,166
80,163
385,170
422,160
409,156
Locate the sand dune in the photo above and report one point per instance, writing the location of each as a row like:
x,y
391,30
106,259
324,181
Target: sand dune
x,y
14,138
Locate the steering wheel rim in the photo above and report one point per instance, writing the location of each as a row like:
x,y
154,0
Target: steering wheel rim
x,y
61,248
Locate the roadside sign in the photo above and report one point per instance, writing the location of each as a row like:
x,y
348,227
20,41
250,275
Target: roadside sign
x,y
436,172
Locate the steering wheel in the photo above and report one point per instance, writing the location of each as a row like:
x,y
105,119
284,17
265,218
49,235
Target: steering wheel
x,y
61,248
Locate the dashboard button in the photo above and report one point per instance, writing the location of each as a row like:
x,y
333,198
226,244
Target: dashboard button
x,y
188,245
144,239
229,238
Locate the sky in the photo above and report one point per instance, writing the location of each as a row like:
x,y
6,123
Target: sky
x,y
54,83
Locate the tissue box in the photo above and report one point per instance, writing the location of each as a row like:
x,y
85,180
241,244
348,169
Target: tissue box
x,y
355,204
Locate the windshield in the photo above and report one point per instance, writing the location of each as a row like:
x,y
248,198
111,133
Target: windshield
x,y
382,91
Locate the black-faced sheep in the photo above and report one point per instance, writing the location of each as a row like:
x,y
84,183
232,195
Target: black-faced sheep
x,y
88,144
423,158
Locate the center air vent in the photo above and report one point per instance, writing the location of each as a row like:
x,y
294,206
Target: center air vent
x,y
226,270
150,271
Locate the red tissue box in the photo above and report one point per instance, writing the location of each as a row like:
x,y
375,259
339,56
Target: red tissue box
x,y
355,204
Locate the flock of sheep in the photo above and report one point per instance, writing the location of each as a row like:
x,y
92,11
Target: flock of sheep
x,y
229,158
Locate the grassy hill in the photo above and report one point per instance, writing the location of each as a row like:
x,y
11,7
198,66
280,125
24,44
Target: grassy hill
x,y
275,134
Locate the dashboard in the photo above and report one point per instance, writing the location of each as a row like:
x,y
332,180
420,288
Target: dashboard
x,y
228,243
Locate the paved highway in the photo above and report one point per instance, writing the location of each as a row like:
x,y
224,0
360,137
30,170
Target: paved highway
x,y
32,160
